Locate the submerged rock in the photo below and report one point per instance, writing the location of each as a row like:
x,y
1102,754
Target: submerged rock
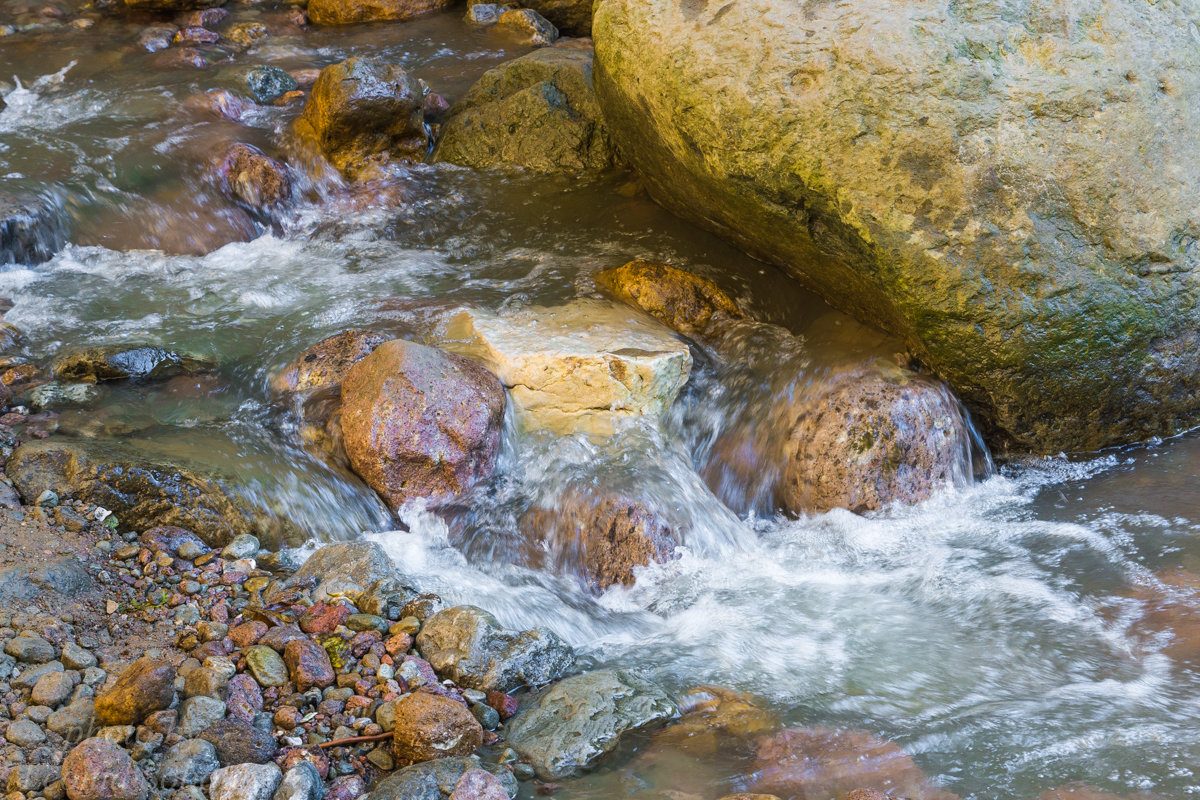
x,y
538,112
253,178
685,302
172,5
437,780
347,12
267,84
867,437
466,645
586,366
363,112
1063,310
420,423
578,720
325,364
607,535
32,229
716,721
122,362
824,762
143,493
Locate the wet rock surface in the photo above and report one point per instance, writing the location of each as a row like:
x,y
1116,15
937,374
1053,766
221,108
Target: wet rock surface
x,y
32,228
687,303
538,112
253,178
123,362
468,646
363,112
587,366
575,722
419,422
914,216
325,364
346,12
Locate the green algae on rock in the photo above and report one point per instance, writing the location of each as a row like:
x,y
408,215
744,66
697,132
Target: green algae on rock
x,y
538,111
1010,186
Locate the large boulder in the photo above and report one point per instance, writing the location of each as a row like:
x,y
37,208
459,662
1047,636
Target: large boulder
x,y
347,12
1010,186
605,536
538,111
420,423
577,721
586,366
467,645
142,492
362,113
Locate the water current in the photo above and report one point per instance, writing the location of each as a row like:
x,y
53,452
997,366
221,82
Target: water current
x,y
997,632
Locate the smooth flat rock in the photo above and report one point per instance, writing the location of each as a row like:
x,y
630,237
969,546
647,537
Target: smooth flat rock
x,y
588,366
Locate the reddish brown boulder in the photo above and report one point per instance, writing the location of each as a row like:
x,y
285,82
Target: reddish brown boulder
x,y
419,422
97,769
604,536
308,664
478,784
146,686
247,633
325,364
686,302
346,12
362,113
430,726
253,178
824,762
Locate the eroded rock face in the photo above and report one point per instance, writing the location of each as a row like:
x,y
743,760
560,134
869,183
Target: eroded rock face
x,y
468,646
419,422
1014,191
325,364
538,112
578,720
824,762
865,438
606,535
687,303
587,366
364,112
347,12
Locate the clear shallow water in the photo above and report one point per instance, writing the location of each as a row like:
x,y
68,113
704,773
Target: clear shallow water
x,y
995,631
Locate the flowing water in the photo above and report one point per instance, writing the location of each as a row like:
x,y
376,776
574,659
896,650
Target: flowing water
x,y
998,632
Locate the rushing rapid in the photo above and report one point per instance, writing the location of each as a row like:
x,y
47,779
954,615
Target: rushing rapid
x,y
997,631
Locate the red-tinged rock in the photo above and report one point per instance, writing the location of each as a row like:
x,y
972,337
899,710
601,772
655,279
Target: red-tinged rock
x,y
278,637
399,644
362,642
245,698
219,613
825,762
99,770
418,422
233,577
308,664
323,618
357,703
478,784
217,648
194,34
181,57
435,105
247,633
219,102
430,726
347,787
314,755
287,718
505,705
253,178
